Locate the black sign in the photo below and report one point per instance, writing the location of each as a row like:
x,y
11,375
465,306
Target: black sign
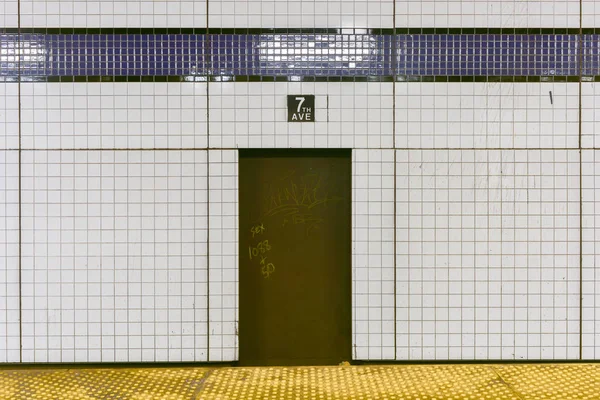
x,y
301,108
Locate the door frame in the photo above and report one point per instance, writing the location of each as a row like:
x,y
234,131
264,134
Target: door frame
x,y
346,153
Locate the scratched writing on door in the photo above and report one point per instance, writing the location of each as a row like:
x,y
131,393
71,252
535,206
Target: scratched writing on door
x,y
295,199
257,230
259,251
260,248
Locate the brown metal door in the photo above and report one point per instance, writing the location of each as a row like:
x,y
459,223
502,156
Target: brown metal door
x,y
295,257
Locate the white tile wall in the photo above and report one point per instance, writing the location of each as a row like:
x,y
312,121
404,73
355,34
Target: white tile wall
x,y
373,254
488,254
590,14
590,113
9,12
113,115
301,14
223,255
253,115
114,256
591,253
9,256
9,116
487,115
488,13
130,13
350,115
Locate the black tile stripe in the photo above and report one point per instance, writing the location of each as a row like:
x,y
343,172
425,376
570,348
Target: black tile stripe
x,y
487,31
258,31
499,78
195,31
258,78
111,31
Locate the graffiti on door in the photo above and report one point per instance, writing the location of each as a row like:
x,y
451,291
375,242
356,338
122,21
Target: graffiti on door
x,y
259,251
299,199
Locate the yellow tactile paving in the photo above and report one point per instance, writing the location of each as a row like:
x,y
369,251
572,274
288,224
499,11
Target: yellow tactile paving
x,y
552,381
391,382
357,383
84,384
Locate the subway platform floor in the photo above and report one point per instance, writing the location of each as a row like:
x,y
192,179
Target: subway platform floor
x,y
423,382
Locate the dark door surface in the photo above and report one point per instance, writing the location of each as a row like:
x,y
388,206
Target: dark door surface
x,y
295,257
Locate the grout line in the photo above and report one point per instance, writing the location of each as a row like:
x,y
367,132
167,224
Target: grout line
x,y
306,148
527,264
128,256
232,30
395,234
20,224
113,184
207,62
353,322
487,266
207,246
502,229
580,66
181,321
101,281
253,79
395,256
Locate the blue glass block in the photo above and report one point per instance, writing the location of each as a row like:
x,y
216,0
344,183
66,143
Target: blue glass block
x,y
368,55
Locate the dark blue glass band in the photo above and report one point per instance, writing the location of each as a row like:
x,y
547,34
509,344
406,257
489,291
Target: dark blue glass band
x,y
209,56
